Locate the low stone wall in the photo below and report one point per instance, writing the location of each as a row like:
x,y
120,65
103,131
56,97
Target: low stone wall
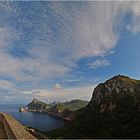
x,y
8,130
13,128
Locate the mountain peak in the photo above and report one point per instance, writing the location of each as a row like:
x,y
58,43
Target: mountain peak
x,y
36,105
116,87
35,100
119,76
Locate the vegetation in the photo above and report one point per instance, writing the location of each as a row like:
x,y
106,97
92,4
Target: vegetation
x,y
72,105
113,112
65,111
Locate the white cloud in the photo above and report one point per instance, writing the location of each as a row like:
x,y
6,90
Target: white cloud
x,y
62,94
99,63
135,8
76,30
57,86
4,84
134,25
84,29
135,28
71,80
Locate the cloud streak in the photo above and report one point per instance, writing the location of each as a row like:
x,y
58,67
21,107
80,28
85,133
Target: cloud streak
x,y
63,35
57,35
4,84
62,94
99,63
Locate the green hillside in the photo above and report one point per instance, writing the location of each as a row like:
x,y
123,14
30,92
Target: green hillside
x,y
72,105
113,112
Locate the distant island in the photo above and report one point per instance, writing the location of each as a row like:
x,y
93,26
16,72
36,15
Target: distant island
x,y
64,110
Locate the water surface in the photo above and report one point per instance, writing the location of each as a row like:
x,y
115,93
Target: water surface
x,y
41,121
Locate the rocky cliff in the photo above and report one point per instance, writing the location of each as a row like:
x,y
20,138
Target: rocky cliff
x,y
119,91
37,106
113,112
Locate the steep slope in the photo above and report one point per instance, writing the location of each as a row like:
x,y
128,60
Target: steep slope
x,y
119,91
72,105
36,105
113,112
67,109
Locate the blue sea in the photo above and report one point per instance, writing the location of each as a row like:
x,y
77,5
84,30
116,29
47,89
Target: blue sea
x,y
40,121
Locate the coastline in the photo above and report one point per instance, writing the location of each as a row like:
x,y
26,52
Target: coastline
x,y
68,119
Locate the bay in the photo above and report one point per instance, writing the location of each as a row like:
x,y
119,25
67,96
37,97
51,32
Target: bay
x,y
40,121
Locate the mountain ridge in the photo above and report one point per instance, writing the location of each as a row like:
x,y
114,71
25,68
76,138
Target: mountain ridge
x,y
112,89
64,110
113,112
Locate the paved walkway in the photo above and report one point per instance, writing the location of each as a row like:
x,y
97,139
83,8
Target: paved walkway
x,y
2,132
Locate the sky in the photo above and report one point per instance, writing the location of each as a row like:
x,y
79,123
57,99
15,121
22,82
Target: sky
x,y
62,50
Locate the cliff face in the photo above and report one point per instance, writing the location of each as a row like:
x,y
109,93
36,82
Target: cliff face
x,y
114,93
36,106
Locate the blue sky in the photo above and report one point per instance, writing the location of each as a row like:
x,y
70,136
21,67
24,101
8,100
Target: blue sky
x,y
62,50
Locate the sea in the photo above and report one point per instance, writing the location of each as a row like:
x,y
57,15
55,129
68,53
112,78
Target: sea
x,y
40,121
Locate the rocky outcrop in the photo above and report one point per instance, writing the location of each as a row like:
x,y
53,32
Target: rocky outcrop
x,y
22,109
36,106
107,95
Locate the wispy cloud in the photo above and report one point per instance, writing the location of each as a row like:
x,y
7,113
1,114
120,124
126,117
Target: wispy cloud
x,y
99,63
6,35
57,86
134,25
62,94
4,84
57,35
63,35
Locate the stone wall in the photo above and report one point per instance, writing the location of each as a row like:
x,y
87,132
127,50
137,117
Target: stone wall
x,y
14,129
